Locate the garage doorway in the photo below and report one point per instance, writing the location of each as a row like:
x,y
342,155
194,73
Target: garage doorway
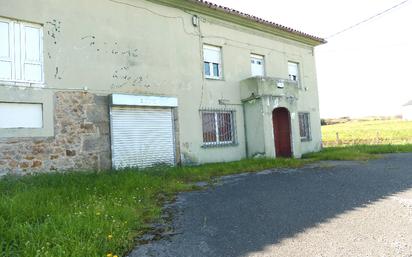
x,y
142,131
282,132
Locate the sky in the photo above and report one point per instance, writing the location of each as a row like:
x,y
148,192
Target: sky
x,y
365,71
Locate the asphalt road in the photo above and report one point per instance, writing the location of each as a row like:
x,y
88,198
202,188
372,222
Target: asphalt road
x,y
328,209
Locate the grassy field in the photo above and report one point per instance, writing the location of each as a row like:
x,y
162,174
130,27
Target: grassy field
x,y
357,152
368,133
102,214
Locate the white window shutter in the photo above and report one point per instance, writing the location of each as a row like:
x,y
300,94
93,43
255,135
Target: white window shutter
x,y
293,69
31,55
211,54
21,115
258,68
6,50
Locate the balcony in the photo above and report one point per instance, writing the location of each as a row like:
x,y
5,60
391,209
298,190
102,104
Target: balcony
x,y
256,87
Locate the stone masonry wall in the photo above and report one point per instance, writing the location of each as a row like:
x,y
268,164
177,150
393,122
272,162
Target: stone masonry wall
x,y
81,141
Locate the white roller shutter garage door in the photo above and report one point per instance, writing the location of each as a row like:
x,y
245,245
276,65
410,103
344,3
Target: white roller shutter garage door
x,y
142,136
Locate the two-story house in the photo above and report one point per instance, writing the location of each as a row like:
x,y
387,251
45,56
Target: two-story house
x,y
115,83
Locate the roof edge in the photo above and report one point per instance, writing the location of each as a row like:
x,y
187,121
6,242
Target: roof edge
x,y
243,19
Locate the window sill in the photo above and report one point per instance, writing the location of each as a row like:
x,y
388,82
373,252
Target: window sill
x,y
214,78
22,83
295,82
217,145
305,140
6,133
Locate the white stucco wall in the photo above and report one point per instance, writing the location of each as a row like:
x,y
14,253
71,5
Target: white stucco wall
x,y
138,47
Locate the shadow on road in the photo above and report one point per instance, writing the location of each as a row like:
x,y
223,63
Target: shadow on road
x,y
247,214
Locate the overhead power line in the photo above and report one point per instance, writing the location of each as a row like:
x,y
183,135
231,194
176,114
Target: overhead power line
x,y
368,19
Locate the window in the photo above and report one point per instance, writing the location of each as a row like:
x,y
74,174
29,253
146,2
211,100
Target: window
x,y
258,65
304,126
293,68
212,62
218,127
21,115
21,51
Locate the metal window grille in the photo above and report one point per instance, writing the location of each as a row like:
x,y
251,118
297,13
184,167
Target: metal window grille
x,y
218,127
304,126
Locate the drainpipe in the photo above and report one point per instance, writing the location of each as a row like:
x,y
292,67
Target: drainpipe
x,y
245,129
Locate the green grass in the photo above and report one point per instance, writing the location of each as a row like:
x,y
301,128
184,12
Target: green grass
x,y
93,214
357,152
368,132
364,139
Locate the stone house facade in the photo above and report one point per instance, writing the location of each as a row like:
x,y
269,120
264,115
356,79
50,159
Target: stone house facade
x,y
94,85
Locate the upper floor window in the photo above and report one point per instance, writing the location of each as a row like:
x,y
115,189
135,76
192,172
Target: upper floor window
x,y
304,126
293,68
21,51
212,59
257,65
218,127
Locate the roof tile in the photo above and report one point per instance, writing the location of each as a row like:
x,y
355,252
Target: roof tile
x,y
258,20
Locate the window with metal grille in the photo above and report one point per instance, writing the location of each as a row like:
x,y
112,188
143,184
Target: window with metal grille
x,y
218,127
304,126
212,62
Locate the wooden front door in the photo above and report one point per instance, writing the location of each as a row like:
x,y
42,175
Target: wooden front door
x,y
282,132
